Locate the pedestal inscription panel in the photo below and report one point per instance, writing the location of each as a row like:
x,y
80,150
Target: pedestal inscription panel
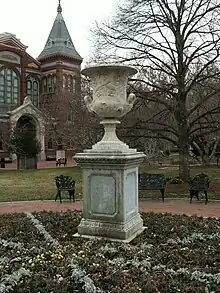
x,y
130,193
103,195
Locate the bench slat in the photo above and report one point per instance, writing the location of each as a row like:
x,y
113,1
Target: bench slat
x,y
148,181
151,181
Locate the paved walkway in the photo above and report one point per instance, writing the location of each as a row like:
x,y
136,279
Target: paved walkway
x,y
41,164
170,206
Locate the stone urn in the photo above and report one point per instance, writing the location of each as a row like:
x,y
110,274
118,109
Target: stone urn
x,y
110,168
109,101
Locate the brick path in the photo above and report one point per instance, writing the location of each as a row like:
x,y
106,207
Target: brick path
x,y
42,164
175,207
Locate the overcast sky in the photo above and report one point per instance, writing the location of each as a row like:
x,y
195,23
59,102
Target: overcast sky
x,y
32,20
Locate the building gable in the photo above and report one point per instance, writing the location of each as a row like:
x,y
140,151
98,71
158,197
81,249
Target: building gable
x,y
10,40
33,65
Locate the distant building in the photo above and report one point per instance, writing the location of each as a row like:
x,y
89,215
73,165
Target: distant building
x,y
41,92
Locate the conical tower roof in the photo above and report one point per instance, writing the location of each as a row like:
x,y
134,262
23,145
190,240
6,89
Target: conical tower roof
x,y
59,41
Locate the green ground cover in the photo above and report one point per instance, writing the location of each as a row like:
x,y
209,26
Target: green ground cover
x,y
38,253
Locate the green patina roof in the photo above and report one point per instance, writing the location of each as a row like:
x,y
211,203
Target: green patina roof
x,y
59,40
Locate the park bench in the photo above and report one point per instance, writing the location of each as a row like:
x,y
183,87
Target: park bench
x,y
65,183
152,182
62,161
200,183
2,163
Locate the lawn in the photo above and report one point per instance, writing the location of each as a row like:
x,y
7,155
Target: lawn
x,y
34,184
38,253
40,185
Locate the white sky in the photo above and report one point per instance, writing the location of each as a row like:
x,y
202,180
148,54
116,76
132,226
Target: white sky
x,y
32,20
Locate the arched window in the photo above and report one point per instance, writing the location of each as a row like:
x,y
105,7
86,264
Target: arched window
x,y
29,87
50,143
9,86
33,89
69,83
54,82
49,83
2,88
35,93
74,85
59,143
70,113
44,85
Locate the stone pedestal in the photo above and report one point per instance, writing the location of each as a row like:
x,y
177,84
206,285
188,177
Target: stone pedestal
x,y
110,194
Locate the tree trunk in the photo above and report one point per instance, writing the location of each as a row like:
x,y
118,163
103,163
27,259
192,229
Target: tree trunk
x,y
206,160
183,165
18,162
183,141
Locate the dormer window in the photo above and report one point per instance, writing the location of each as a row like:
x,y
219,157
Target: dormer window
x,y
68,42
50,42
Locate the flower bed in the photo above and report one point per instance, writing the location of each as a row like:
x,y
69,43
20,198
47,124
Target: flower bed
x,y
38,253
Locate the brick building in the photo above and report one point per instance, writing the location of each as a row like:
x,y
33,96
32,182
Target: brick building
x,y
42,91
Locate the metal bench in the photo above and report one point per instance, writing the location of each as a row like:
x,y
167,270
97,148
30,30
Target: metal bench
x,y
152,182
62,161
65,183
200,183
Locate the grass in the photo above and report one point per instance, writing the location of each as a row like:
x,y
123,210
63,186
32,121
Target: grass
x,y
25,185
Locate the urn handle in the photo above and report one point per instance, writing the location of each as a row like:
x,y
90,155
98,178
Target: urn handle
x,y
88,101
131,98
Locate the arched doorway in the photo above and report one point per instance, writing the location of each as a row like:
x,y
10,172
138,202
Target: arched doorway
x,y
27,123
26,131
27,115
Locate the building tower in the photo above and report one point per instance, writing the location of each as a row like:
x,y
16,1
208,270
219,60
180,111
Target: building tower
x,y
60,81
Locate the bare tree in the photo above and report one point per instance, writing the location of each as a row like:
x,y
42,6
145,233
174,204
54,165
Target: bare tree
x,y
151,120
175,44
68,121
204,148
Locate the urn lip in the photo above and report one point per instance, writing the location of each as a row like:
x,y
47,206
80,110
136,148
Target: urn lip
x,y
89,70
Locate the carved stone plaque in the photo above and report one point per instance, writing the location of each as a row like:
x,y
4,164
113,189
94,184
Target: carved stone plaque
x,y
10,57
103,194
